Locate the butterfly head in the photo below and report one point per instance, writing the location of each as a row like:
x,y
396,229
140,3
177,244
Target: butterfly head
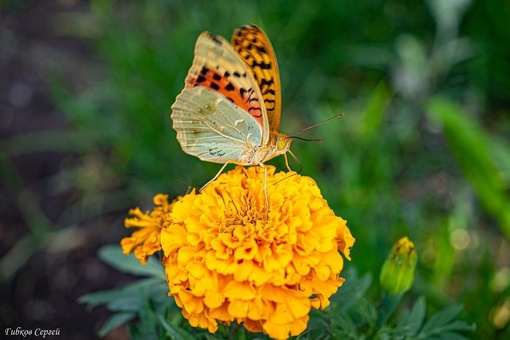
x,y
282,143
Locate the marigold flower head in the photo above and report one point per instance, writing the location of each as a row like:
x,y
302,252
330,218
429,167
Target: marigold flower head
x,y
230,258
146,240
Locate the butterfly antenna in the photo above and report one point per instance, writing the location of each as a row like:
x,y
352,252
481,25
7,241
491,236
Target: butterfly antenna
x,y
307,139
315,125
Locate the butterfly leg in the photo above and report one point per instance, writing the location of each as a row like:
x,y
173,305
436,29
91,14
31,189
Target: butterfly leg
x,y
217,175
265,185
286,161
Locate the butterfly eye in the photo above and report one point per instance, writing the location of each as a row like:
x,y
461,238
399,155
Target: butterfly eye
x,y
281,144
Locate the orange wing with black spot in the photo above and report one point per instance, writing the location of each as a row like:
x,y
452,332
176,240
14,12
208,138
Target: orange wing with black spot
x,y
254,47
219,68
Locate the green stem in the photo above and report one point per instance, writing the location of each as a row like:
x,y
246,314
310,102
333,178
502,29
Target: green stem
x,y
388,305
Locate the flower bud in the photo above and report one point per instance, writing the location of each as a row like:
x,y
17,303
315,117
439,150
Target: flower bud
x,y
397,272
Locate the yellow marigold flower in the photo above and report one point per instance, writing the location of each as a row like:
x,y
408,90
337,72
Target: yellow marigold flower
x,y
146,240
229,258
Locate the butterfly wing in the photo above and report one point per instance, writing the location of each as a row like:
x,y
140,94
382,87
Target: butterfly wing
x,y
218,67
254,47
212,128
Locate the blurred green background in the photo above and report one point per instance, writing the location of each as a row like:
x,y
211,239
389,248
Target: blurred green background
x,y
422,151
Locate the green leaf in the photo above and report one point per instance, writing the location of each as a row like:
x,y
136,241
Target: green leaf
x,y
440,323
374,111
128,293
458,326
439,326
351,291
440,319
112,255
414,319
450,336
388,305
127,303
148,321
175,332
115,321
344,323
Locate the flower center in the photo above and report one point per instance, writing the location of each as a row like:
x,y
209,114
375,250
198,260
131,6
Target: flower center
x,y
241,212
244,217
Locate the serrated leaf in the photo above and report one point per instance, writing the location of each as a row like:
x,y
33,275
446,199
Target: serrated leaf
x,y
343,322
437,322
175,332
99,298
148,321
125,304
116,320
127,292
458,326
413,320
351,292
400,332
112,255
449,336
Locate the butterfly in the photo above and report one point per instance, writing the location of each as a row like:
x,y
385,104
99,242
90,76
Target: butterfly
x,y
229,110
